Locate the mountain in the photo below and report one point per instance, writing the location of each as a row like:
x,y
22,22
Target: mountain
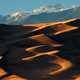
x,y
48,8
48,13
16,17
59,15
2,19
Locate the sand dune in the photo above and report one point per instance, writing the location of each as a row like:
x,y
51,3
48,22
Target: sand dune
x,y
44,51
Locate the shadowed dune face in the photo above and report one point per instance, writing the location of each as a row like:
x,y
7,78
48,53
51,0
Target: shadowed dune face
x,y
45,51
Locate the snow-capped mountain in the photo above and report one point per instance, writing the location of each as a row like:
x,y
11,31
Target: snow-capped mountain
x,y
43,14
48,8
49,16
16,17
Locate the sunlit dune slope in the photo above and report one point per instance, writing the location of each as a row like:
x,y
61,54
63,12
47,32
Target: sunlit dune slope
x,y
44,51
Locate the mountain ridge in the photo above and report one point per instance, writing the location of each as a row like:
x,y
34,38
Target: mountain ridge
x,y
48,14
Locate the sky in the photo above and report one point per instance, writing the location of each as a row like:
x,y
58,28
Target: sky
x,y
11,6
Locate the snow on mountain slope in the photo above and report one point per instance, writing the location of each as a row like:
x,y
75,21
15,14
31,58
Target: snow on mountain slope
x,y
47,13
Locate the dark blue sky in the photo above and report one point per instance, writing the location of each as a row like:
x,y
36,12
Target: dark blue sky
x,y
10,6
